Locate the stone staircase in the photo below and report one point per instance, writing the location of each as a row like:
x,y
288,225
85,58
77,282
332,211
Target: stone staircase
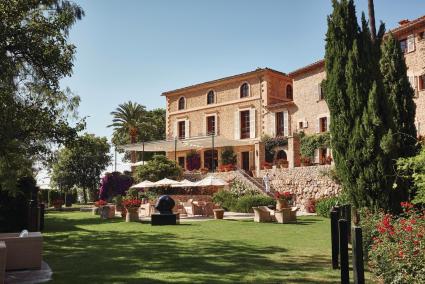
x,y
254,181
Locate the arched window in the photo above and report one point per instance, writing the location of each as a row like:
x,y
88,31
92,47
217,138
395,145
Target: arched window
x,y
182,103
244,91
210,97
289,94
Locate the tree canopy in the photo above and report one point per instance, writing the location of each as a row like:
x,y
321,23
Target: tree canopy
x,y
81,163
34,56
158,168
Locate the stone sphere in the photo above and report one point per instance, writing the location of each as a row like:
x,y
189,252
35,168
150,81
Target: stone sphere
x,y
165,204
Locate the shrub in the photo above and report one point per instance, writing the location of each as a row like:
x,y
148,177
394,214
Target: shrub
x,y
13,211
245,203
324,205
239,188
369,221
158,168
312,142
398,252
228,156
225,199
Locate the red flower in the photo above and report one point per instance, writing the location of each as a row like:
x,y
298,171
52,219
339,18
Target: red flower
x,y
100,203
132,203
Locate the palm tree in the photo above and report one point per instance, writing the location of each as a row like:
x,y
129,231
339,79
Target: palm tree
x,y
127,119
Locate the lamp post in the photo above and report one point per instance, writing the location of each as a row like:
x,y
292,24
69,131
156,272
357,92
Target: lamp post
x,y
212,154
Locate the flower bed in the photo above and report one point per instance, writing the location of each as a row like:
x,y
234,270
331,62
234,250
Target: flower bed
x,y
397,253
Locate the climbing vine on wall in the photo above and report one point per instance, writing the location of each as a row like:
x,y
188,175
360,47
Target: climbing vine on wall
x,y
270,143
309,143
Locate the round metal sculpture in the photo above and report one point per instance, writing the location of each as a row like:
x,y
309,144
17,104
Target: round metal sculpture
x,y
165,204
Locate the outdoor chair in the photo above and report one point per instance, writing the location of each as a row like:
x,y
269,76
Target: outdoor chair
x,y
191,208
262,215
23,252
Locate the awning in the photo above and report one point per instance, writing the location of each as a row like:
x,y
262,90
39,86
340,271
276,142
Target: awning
x,y
200,142
212,181
143,184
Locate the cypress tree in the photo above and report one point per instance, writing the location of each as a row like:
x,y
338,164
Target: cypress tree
x,y
341,35
362,125
400,140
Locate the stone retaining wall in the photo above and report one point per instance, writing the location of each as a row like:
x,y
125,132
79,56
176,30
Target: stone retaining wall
x,y
304,182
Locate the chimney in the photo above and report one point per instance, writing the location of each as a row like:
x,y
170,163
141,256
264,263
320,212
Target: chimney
x,y
403,22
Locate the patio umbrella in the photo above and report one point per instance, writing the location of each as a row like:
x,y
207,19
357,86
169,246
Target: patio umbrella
x,y
166,182
143,184
185,183
212,181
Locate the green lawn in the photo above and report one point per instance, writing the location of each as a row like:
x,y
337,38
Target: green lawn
x,y
81,248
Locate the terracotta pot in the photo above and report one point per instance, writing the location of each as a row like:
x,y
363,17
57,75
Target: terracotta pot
x,y
280,204
132,214
218,213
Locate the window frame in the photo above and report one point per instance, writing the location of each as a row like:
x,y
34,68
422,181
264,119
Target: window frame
x,y
289,87
179,107
214,132
210,92
245,130
421,82
280,123
403,45
248,90
181,129
323,124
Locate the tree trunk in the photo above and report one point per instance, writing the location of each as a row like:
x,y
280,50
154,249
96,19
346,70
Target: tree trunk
x,y
85,195
133,133
371,9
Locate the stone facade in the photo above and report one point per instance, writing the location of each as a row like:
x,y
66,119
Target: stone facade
x,y
279,104
304,182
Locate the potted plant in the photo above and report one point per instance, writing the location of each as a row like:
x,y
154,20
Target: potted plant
x,y
57,203
97,206
267,166
305,161
132,205
283,199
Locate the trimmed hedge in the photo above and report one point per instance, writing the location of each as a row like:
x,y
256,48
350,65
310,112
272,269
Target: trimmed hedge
x,y
245,203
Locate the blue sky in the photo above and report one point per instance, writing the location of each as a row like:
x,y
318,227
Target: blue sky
x,y
135,50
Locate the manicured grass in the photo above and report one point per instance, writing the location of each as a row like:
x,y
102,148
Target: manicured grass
x,y
81,248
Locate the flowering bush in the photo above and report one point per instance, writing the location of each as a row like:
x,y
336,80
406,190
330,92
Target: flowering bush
x,y
100,203
398,251
132,203
113,184
283,196
239,189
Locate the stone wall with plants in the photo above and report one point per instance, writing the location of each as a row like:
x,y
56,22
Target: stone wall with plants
x,y
306,183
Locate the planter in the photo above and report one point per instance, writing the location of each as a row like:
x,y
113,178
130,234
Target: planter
x,y
218,213
95,211
132,214
107,212
281,204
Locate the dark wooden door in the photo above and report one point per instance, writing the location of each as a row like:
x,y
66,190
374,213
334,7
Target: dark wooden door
x,y
245,161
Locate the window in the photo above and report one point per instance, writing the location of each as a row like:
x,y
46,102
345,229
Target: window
x,y
182,103
211,125
321,92
411,43
210,97
422,82
421,35
280,124
300,125
289,93
244,90
182,129
245,124
403,45
323,124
